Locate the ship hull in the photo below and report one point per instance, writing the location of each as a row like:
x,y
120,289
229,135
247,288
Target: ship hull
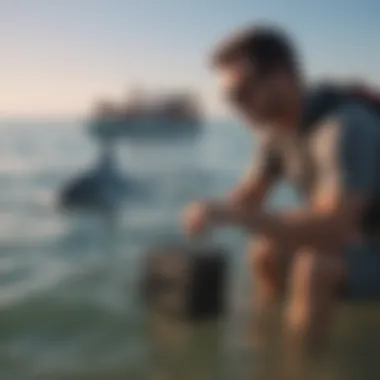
x,y
143,129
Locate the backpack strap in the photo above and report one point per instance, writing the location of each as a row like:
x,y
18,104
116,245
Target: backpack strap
x,y
327,97
319,103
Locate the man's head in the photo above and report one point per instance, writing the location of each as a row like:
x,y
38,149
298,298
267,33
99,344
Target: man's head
x,y
260,73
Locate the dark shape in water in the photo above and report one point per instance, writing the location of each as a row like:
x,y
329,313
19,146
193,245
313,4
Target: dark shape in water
x,y
102,188
87,192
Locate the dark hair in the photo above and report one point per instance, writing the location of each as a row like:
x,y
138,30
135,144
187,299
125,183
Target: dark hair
x,y
266,47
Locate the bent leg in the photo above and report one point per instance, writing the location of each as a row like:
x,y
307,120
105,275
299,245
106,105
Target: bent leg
x,y
268,271
269,274
269,278
316,279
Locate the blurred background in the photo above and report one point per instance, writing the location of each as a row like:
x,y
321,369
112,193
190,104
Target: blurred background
x,y
110,123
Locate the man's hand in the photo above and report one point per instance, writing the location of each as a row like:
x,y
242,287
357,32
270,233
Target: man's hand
x,y
202,216
197,218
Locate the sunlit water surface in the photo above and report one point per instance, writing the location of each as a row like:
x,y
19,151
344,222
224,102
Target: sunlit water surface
x,y
69,293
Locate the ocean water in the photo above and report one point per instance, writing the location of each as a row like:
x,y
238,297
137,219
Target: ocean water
x,y
69,300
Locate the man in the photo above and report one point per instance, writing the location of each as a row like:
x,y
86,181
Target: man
x,y
327,144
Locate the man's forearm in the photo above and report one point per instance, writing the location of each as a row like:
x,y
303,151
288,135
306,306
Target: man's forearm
x,y
250,195
301,227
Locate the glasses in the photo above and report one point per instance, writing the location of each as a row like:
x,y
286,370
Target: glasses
x,y
243,94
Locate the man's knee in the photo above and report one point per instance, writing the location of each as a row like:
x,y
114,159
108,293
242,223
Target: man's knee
x,y
305,270
312,270
263,255
269,268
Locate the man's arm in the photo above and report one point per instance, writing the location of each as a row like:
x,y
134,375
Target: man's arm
x,y
346,155
252,191
249,195
266,170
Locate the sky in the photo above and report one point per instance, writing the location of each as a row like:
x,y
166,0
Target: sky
x,y
58,56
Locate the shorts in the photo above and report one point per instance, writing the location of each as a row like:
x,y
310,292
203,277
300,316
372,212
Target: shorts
x,y
363,272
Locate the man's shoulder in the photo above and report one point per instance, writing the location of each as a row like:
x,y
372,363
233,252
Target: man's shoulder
x,y
349,128
318,90
320,100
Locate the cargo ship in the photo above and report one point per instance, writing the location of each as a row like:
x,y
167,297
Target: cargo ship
x,y
163,117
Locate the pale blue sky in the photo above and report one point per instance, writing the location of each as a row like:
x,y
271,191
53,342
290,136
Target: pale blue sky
x,y
57,55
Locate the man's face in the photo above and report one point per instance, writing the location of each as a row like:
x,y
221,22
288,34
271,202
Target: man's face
x,y
261,98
